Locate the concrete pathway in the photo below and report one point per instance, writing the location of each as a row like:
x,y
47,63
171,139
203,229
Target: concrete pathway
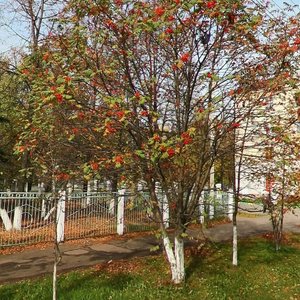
x,y
36,262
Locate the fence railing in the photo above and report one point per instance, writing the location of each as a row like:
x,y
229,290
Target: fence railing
x,y
27,218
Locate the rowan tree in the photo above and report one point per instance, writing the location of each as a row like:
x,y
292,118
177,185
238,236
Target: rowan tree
x,y
275,159
268,143
154,86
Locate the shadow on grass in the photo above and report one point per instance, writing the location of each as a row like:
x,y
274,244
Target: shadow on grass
x,y
194,265
199,258
75,285
8,294
99,281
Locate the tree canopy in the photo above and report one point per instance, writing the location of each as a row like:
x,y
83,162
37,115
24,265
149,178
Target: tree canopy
x,y
151,91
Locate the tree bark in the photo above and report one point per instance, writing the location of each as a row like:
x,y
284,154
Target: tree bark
x,y
179,254
175,258
234,242
57,254
57,260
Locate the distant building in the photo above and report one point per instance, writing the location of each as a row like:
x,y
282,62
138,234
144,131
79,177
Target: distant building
x,y
268,136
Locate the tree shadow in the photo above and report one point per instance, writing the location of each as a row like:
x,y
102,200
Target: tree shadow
x,y
197,257
116,282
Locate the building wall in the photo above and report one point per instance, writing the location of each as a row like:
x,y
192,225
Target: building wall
x,y
260,140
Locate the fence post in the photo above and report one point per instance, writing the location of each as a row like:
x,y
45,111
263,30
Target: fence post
x,y
120,212
211,207
201,208
95,185
219,205
41,190
69,188
230,204
88,195
60,217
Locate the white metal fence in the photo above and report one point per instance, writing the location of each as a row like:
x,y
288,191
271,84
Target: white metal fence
x,y
27,218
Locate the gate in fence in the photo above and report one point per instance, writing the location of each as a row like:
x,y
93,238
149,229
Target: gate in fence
x,y
27,218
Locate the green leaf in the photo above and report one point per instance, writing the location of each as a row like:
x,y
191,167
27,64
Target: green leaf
x,y
88,73
140,153
68,97
86,169
71,137
60,80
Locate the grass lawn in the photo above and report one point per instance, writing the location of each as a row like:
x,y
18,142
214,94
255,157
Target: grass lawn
x,y
261,274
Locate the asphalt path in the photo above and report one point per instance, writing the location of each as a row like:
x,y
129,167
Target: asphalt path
x,y
36,262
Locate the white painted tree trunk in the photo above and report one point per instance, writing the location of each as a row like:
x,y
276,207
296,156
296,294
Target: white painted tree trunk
x,y
41,190
43,213
5,219
230,204
175,258
60,217
112,206
234,245
120,212
179,254
51,211
17,224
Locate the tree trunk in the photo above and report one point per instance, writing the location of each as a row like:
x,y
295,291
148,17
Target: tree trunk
x,y
234,232
278,227
57,254
5,219
234,243
179,254
175,258
54,282
17,222
57,260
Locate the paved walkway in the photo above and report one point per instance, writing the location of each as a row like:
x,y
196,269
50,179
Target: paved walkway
x,y
36,262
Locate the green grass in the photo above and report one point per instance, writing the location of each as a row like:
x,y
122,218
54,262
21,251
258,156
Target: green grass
x,y
262,274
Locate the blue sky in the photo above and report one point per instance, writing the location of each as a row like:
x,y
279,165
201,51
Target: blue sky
x,y
10,28
9,33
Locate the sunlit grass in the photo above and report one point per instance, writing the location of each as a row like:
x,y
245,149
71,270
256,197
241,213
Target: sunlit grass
x,y
262,274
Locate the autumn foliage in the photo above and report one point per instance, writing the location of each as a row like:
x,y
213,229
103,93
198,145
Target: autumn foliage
x,y
148,89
